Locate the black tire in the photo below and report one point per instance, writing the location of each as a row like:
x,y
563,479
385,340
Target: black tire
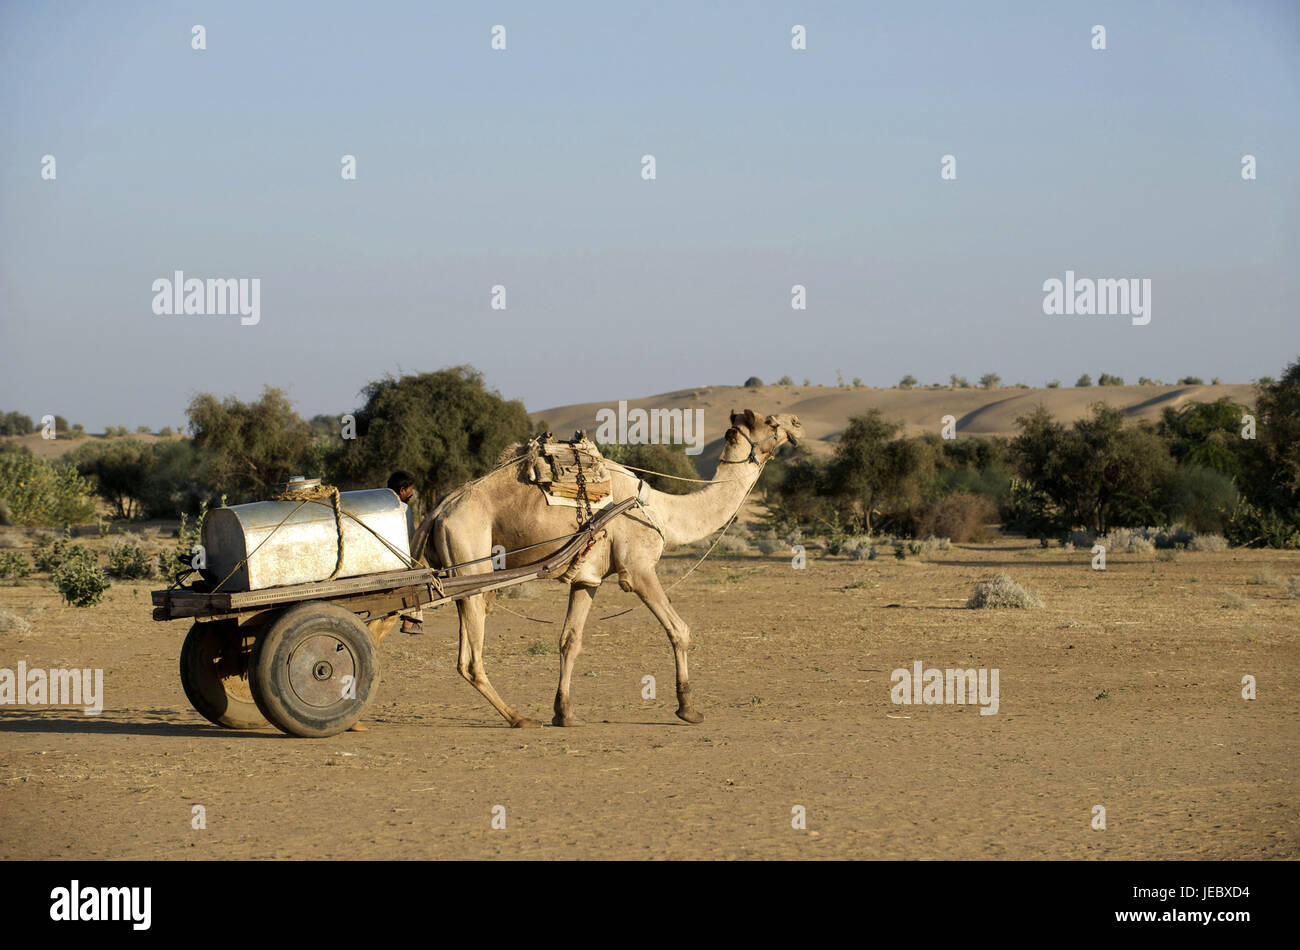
x,y
301,666
214,675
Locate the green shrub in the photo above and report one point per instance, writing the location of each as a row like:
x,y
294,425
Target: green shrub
x,y
176,561
51,553
13,564
81,582
127,561
40,493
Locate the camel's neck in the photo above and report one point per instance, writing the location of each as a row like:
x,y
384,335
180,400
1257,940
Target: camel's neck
x,y
687,518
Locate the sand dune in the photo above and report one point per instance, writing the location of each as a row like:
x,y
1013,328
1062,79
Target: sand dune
x,y
825,410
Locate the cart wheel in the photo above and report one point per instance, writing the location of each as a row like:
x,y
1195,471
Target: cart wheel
x,y
214,674
313,670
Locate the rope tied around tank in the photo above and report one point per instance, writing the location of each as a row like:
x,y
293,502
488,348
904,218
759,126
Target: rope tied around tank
x,y
319,494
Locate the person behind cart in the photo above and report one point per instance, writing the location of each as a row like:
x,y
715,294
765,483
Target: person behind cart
x,y
402,484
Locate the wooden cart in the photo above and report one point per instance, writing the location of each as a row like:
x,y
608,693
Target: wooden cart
x,y
304,657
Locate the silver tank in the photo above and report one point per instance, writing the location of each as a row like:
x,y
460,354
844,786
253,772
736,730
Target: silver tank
x,y
305,548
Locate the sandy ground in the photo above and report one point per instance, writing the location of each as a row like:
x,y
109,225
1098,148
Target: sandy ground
x,y
1124,691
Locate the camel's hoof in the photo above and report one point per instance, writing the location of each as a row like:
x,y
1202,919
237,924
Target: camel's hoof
x,y
558,720
687,714
524,722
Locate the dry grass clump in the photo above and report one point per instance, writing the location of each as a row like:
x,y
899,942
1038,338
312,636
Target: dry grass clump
x,y
1233,601
1126,541
730,544
1207,542
1293,588
11,622
770,546
1002,591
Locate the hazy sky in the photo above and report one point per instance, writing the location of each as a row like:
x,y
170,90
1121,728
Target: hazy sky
x,y
523,168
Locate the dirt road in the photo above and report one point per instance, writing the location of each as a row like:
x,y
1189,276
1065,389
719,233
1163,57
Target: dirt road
x,y
1125,691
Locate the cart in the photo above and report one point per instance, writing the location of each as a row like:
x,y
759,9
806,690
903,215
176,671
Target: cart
x,y
304,657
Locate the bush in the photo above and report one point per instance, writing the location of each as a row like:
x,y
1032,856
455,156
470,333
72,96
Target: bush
x,y
769,546
1293,588
52,553
13,564
1084,380
15,423
1053,384
1106,379
907,382
785,381
730,544
1231,600
40,493
81,582
1208,542
1078,539
1202,497
753,382
1126,541
961,517
127,561
171,564
11,622
1002,591
1191,381
1174,536
990,381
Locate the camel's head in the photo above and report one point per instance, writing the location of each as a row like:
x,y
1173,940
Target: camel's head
x,y
760,437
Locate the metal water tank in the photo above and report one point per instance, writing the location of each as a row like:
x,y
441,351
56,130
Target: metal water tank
x,y
303,548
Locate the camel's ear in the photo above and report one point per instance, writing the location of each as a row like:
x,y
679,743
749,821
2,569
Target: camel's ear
x,y
733,417
751,420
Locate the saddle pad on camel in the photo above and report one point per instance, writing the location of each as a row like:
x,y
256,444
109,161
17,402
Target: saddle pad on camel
x,y
557,468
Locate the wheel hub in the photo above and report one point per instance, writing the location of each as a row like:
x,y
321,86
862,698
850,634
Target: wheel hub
x,y
322,671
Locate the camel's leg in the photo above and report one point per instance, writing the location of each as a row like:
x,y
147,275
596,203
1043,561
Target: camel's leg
x,y
470,661
646,585
580,598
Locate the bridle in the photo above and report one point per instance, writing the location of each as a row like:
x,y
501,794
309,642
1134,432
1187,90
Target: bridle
x,y
753,448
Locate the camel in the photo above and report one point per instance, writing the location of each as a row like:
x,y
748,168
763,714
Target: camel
x,y
502,508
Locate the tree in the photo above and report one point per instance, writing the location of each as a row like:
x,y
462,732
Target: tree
x,y
1084,380
1098,473
1206,434
658,457
873,468
907,382
753,382
120,471
785,381
1053,384
1273,459
1191,381
252,447
15,423
445,428
990,381
1106,379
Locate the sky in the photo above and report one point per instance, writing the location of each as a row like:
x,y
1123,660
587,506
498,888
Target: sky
x,y
523,168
